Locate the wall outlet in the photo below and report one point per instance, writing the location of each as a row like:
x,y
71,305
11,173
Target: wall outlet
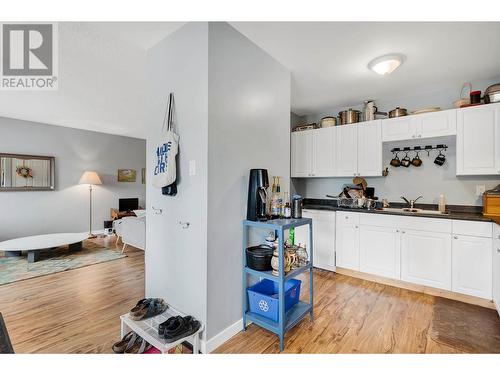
x,y
192,167
480,189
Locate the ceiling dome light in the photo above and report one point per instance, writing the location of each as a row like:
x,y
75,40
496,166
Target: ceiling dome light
x,y
385,64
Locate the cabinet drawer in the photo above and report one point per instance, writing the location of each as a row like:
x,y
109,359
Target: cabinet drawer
x,y
407,222
472,228
347,219
380,220
496,231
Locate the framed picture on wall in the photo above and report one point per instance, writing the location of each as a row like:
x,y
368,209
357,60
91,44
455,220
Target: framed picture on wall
x,y
143,172
127,175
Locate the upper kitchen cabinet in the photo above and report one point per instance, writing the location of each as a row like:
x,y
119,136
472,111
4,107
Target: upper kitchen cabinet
x,y
370,148
397,129
301,154
426,125
478,140
323,152
346,150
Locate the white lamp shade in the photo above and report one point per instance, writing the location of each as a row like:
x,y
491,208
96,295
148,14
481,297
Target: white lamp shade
x,y
90,178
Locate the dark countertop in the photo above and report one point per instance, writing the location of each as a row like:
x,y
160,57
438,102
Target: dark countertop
x,y
5,345
473,213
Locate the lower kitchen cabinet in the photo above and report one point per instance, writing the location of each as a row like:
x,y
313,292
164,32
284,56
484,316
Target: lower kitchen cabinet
x,y
347,240
426,258
323,237
496,267
379,251
472,266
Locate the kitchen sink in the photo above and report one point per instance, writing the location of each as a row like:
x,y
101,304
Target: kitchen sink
x,y
408,210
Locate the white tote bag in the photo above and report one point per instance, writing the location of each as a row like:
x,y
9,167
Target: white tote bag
x,y
164,172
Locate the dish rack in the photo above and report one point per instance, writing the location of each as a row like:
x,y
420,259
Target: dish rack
x,y
348,202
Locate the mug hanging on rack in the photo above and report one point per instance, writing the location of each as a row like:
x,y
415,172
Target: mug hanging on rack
x,y
405,162
395,162
440,159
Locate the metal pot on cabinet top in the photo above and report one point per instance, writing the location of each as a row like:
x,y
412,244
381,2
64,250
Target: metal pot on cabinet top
x,y
351,116
398,112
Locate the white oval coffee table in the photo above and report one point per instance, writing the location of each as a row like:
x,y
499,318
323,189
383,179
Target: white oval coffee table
x,y
33,244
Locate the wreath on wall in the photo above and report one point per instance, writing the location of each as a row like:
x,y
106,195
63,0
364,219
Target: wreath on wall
x,y
24,172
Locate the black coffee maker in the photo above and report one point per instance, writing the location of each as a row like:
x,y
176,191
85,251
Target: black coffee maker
x,y
257,195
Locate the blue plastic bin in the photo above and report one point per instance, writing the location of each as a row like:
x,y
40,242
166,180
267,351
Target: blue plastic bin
x,y
263,297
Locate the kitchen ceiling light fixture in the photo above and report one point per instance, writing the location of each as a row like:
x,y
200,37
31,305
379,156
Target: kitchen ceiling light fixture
x,y
386,64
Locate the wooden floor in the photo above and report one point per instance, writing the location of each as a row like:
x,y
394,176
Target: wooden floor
x,y
75,311
78,311
358,316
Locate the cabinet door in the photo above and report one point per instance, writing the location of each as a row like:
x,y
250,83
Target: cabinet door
x,y
472,266
346,150
347,240
301,153
478,140
426,258
398,129
436,124
496,268
323,159
370,148
323,238
379,251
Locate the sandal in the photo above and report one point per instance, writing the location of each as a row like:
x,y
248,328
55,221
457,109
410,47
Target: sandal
x,y
162,326
120,346
180,327
137,345
148,308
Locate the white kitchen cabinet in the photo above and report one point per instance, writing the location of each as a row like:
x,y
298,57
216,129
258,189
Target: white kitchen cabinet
x,y
472,265
435,124
370,148
347,240
426,258
398,129
426,125
478,140
496,267
301,153
379,251
323,238
346,150
323,151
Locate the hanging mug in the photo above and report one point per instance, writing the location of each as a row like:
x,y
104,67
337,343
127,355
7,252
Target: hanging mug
x,y
416,162
440,159
395,162
405,162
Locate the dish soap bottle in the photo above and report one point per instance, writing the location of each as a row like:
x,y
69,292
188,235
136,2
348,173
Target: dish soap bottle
x,y
442,204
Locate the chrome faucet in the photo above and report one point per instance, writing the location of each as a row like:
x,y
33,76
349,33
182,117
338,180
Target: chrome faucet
x,y
411,202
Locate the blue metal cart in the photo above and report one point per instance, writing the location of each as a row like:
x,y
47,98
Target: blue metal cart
x,y
296,313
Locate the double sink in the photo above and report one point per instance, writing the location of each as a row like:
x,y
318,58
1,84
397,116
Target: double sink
x,y
408,210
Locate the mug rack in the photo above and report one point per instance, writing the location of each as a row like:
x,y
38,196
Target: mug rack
x,y
427,149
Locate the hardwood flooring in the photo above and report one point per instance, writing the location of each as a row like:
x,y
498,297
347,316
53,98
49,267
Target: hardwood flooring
x,y
75,311
360,316
78,311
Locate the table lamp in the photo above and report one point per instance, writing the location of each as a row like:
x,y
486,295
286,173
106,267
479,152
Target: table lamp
x,y
90,178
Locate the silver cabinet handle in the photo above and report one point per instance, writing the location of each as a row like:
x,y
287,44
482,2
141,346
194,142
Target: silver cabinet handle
x,y
403,232
413,136
420,136
397,230
455,237
347,217
356,226
498,250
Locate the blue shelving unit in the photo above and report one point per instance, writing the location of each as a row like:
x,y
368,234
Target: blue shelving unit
x,y
301,309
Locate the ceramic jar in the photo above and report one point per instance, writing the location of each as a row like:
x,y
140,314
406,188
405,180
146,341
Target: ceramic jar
x,y
289,261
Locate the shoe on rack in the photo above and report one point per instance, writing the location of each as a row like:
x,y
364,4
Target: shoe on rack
x,y
180,327
147,308
120,346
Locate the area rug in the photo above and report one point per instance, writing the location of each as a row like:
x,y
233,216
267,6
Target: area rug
x,y
52,261
469,328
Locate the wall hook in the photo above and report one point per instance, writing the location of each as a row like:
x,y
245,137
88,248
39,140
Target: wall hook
x,y
157,211
185,225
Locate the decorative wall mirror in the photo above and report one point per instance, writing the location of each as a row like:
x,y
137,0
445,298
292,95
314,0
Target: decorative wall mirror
x,y
26,172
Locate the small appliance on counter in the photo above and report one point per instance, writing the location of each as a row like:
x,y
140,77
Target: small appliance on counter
x,y
297,207
491,203
257,195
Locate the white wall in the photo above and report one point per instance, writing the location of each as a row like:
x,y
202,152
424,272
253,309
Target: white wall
x,y
66,208
176,258
428,180
249,123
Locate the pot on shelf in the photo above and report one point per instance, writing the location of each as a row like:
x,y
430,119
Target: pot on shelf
x,y
398,112
351,116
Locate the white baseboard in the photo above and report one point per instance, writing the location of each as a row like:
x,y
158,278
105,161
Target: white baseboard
x,y
219,339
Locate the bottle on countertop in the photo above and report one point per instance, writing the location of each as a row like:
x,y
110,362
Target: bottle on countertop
x,y
442,204
275,201
287,209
